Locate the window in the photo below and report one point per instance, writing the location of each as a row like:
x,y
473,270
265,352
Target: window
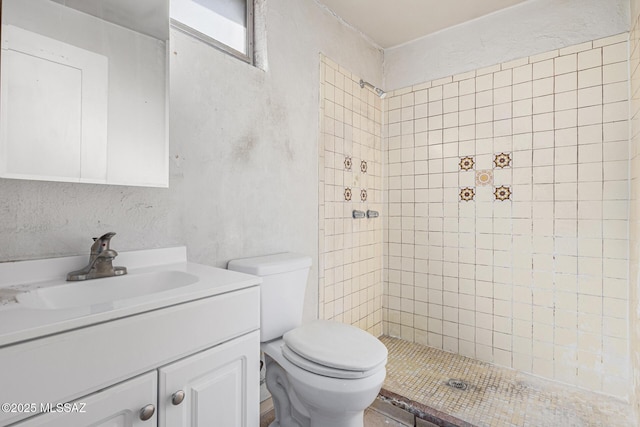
x,y
225,24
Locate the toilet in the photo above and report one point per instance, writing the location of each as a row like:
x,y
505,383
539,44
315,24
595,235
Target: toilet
x,y
322,373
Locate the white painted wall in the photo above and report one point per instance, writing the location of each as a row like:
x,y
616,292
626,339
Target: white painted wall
x,y
244,157
532,27
247,140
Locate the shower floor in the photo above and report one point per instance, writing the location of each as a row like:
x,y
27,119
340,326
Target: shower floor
x,y
417,381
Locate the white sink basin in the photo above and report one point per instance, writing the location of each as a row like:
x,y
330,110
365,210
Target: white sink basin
x,y
101,291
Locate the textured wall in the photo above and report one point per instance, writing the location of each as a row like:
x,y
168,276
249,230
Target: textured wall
x,y
247,140
244,147
507,211
532,27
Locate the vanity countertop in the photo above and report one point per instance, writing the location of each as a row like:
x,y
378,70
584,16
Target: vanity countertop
x,y
20,322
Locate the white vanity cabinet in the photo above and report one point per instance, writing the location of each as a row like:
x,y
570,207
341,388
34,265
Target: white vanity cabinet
x,y
213,387
206,348
210,388
117,406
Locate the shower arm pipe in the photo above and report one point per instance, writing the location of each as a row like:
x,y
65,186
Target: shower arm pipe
x,y
377,90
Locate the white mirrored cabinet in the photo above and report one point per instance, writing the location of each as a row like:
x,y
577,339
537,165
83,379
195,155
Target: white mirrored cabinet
x,y
84,91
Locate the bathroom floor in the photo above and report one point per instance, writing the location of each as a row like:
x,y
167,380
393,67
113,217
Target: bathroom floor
x,y
372,418
417,381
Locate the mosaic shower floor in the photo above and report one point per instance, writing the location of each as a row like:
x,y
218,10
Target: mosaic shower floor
x,y
417,380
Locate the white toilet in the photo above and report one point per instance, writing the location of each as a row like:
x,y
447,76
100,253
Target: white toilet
x,y
323,373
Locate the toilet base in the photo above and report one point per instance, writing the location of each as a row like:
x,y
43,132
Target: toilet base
x,y
290,411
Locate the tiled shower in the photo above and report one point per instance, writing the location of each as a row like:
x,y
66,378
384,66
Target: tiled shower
x,y
504,199
350,176
507,200
634,222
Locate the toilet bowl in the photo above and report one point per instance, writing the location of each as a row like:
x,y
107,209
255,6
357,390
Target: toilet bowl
x,y
320,374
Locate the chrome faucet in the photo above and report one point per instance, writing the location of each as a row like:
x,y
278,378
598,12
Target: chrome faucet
x,y
100,261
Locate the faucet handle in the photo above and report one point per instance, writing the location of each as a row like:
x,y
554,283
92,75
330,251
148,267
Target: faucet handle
x,y
102,243
105,236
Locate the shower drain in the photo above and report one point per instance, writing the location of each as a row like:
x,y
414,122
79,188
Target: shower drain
x,y
459,384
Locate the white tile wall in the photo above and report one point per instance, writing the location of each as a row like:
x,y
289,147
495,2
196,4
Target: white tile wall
x,y
350,271
538,282
615,94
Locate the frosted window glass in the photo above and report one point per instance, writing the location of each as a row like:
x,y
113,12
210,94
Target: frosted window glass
x,y
222,20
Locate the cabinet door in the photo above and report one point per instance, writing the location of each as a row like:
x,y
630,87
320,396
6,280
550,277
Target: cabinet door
x,y
220,385
117,406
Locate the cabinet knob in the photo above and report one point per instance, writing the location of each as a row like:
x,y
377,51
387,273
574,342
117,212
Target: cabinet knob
x,y
177,397
147,412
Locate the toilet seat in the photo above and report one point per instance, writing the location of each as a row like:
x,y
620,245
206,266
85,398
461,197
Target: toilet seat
x,y
334,350
326,371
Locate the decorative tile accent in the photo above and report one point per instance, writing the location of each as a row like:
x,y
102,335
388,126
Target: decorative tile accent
x,y
484,177
363,166
466,163
467,194
502,160
363,195
347,163
347,194
502,193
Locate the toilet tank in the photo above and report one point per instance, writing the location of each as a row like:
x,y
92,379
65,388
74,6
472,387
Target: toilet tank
x,y
284,280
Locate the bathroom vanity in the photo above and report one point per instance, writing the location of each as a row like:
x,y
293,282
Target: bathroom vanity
x,y
170,344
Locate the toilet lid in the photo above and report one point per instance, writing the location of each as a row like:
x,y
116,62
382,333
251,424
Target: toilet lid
x,y
336,345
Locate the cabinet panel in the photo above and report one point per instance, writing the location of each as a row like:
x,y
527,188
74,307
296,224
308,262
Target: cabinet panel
x,y
54,109
117,406
84,86
221,386
114,351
